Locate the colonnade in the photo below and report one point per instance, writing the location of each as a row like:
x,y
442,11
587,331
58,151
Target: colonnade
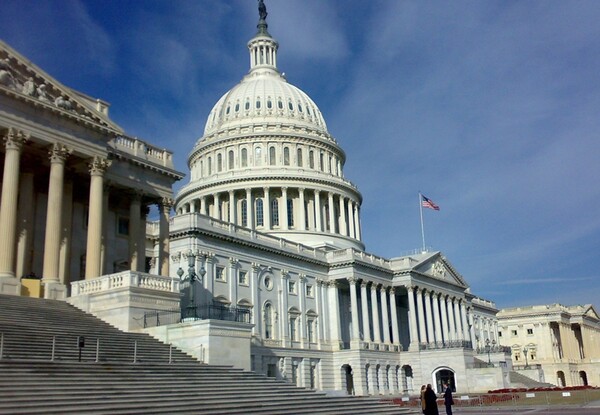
x,y
18,196
282,208
485,328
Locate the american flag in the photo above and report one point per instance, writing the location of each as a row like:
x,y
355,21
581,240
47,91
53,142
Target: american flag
x,y
428,203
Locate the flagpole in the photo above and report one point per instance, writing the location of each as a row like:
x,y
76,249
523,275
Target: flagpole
x,y
421,211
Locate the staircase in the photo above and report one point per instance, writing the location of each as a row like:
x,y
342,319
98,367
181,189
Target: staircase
x,y
42,372
518,380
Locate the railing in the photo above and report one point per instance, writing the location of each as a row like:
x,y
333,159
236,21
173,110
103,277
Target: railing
x,y
125,279
494,349
139,148
203,312
454,344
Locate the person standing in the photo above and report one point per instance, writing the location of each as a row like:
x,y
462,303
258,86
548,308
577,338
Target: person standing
x,y
431,407
448,401
423,406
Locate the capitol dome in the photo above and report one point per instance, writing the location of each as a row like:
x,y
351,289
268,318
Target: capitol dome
x,y
267,162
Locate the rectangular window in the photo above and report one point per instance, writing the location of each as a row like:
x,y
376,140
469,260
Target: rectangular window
x,y
530,331
293,328
309,331
513,332
309,291
243,278
499,334
292,287
123,226
220,274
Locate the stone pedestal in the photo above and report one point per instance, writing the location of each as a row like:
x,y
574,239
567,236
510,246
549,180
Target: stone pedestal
x,y
10,285
54,290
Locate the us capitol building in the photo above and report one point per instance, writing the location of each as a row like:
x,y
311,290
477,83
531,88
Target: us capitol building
x,y
263,256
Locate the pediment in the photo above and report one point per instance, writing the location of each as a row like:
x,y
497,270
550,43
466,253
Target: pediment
x,y
591,312
23,79
437,266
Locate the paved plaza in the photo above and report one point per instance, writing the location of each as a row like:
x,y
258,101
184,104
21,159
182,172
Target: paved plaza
x,y
554,410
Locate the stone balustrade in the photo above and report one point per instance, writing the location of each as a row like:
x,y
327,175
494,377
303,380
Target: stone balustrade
x,y
125,279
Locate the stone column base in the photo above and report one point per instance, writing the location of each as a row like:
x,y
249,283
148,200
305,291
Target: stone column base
x,y
10,285
413,347
54,290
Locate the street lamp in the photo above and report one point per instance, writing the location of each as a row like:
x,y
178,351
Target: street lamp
x,y
525,350
488,349
192,277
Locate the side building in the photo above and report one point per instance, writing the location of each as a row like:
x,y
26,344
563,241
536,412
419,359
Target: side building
x,y
553,343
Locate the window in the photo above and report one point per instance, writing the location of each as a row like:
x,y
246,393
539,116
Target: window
x,y
209,165
272,158
268,320
299,156
220,274
293,321
244,212
243,278
530,331
237,107
290,213
286,156
280,104
201,167
310,331
292,287
274,212
499,334
311,159
513,332
230,161
269,104
309,291
247,106
257,103
244,157
228,110
257,156
260,221
219,162
291,106
321,164
123,226
300,107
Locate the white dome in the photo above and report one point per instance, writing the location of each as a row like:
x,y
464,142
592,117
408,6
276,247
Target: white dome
x,y
264,96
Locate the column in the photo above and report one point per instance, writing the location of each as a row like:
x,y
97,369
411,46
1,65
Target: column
x,y
457,319
303,320
429,316
422,329
232,218
412,318
463,319
283,292
144,211
334,316
356,222
163,239
267,209
384,315
232,281
331,213
135,210
436,318
450,306
320,311
302,211
351,218
375,314
343,230
326,312
472,328
64,271
217,207
58,155
203,207
394,313
104,244
97,167
249,209
283,220
364,302
318,221
444,318
13,142
354,309
257,312
26,216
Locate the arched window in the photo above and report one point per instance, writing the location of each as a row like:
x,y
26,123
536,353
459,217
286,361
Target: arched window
x,y
321,163
271,156
228,110
244,157
219,162
260,220
247,105
257,156
237,107
209,165
244,212
299,157
201,168
257,103
299,107
311,159
230,159
268,320
291,106
286,156
290,213
274,212
280,104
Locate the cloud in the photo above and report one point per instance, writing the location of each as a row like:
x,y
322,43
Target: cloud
x,y
536,281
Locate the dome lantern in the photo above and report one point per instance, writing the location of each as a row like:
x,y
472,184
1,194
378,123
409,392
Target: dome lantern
x,y
262,47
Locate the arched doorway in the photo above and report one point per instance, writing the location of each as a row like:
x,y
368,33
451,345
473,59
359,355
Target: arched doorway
x,y
407,378
583,378
348,376
442,376
560,378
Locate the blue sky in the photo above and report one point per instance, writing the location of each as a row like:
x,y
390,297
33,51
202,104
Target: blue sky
x,y
490,108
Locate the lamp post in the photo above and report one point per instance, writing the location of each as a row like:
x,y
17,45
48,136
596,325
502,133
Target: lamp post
x,y
192,277
488,349
525,350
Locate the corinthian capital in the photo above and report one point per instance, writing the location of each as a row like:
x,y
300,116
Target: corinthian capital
x,y
59,152
98,166
14,139
167,203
